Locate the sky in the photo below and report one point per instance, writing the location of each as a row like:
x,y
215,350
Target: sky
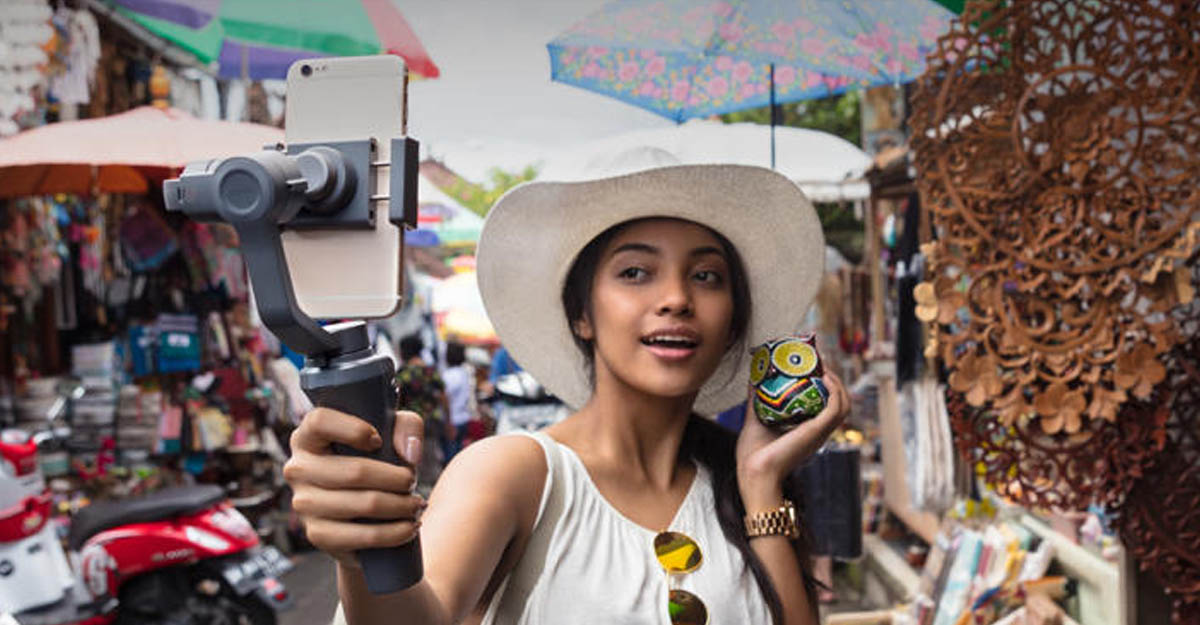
x,y
494,104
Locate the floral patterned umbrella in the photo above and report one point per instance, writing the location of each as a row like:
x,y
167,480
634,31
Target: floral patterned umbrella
x,y
687,58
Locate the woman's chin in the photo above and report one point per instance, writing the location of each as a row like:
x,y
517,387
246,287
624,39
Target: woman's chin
x,y
667,387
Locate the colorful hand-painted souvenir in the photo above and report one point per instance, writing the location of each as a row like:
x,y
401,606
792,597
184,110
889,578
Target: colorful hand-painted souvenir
x,y
786,374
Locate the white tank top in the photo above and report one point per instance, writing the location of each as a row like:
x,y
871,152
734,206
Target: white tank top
x,y
586,563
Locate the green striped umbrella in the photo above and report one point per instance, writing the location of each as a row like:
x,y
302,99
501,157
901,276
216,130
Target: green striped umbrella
x,y
260,39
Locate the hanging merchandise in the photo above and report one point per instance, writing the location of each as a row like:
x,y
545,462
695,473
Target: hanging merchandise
x,y
91,234
25,34
1158,517
908,269
212,252
833,510
1062,202
933,481
178,343
77,58
146,239
170,430
141,348
855,320
32,252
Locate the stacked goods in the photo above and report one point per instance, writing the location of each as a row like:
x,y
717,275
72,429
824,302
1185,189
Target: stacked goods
x,y
93,414
34,407
138,412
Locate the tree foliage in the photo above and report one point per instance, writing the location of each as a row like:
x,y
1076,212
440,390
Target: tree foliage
x,y
838,115
480,197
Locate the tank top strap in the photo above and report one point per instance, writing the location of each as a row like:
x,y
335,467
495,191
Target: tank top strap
x,y
513,594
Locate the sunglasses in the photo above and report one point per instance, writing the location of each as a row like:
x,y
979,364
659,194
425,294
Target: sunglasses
x,y
679,554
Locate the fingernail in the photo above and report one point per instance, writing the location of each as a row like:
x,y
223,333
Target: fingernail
x,y
376,441
424,503
412,450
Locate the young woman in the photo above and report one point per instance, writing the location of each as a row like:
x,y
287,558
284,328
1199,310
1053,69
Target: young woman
x,y
633,298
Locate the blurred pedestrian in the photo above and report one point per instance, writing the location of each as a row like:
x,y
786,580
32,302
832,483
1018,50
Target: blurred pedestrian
x,y
460,393
502,365
423,391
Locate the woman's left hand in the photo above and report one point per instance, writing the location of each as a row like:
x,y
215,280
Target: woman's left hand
x,y
765,457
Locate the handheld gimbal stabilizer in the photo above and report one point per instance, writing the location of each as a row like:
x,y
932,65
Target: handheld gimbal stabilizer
x,y
324,186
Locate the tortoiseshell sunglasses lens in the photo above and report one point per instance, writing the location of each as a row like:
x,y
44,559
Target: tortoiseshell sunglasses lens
x,y
678,553
686,609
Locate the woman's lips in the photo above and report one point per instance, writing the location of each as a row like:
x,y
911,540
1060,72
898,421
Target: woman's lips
x,y
672,344
670,352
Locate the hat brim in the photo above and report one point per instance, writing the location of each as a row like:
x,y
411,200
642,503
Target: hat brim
x,y
533,234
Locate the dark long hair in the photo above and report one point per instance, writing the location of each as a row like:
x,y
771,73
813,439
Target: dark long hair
x,y
704,441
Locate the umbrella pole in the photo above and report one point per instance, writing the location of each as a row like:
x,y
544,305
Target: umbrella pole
x,y
772,116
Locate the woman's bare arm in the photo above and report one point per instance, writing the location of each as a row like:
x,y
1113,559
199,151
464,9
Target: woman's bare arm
x,y
778,557
486,497
764,457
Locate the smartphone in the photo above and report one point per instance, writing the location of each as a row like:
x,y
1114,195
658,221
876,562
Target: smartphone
x,y
344,273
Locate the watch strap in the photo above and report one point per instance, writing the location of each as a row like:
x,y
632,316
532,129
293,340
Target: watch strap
x,y
779,521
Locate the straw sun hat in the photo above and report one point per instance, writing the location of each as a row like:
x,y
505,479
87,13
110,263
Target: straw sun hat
x,y
533,234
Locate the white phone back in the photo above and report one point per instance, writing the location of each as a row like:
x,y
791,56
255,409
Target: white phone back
x,y
348,273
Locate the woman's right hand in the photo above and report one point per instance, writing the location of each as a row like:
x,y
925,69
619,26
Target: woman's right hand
x,y
330,491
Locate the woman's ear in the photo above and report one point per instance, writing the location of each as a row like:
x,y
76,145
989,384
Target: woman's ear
x,y
583,328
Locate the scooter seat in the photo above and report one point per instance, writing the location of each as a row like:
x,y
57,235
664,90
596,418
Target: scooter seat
x,y
164,504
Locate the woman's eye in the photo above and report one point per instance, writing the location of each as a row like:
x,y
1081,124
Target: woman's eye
x,y
632,273
709,277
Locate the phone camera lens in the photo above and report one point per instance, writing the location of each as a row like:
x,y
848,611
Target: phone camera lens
x,y
306,70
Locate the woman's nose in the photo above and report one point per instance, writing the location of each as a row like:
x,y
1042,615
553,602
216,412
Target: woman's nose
x,y
675,298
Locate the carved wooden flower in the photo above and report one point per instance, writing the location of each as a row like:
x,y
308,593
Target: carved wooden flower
x,y
1140,370
949,299
1060,409
976,378
1010,407
1106,403
926,299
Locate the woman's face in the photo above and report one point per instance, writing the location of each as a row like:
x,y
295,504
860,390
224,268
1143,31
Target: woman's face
x,y
661,307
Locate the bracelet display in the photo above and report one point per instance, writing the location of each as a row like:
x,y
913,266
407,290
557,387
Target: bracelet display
x,y
779,521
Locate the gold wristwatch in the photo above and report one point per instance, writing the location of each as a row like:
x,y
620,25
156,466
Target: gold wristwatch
x,y
779,521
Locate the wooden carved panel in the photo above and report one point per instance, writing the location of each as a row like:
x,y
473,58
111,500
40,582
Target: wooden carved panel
x,y
1056,143
1159,517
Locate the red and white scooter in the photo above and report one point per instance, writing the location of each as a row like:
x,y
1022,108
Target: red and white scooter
x,y
182,556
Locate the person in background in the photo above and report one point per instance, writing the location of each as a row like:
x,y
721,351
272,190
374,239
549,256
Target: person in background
x,y
502,365
460,391
423,391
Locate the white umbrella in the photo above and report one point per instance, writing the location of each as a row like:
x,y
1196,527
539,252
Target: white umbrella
x,y
827,167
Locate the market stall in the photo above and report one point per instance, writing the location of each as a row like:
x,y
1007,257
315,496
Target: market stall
x,y
127,346
1032,273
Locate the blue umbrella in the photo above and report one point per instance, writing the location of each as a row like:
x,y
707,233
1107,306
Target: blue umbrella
x,y
683,59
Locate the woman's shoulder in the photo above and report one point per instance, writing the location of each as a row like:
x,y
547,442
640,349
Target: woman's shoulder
x,y
505,453
511,468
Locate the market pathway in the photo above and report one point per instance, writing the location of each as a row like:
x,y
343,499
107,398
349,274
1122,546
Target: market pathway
x,y
313,586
